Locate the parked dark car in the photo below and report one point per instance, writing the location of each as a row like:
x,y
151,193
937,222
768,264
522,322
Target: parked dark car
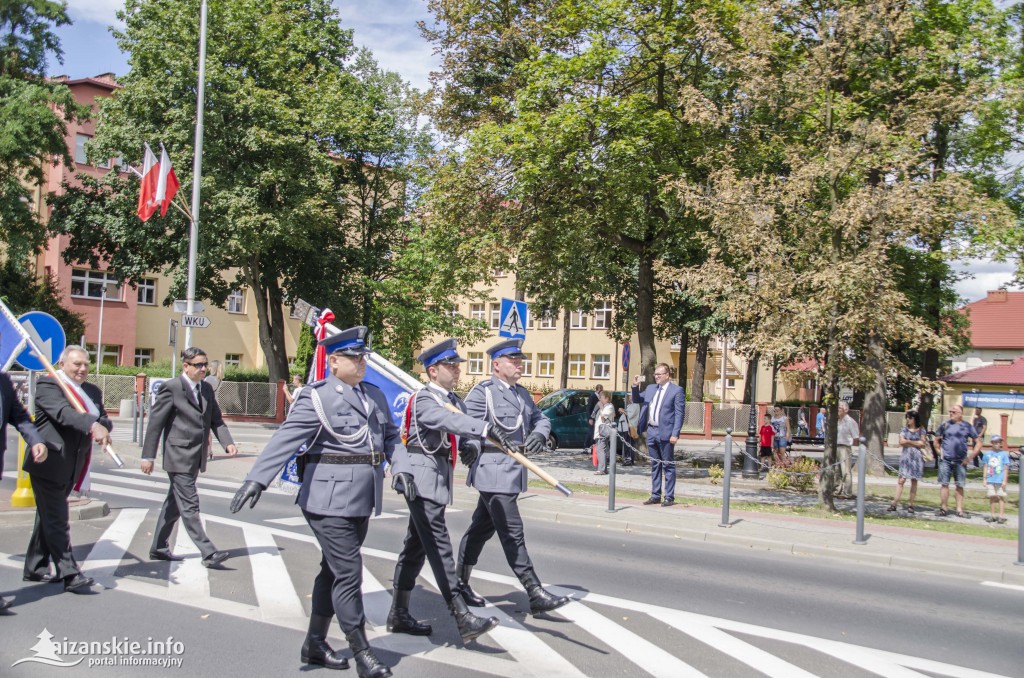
x,y
567,410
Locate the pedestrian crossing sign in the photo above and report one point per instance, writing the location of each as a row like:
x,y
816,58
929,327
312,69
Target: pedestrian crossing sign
x,y
513,319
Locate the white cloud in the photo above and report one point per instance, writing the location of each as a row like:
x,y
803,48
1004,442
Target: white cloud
x,y
984,275
388,29
96,11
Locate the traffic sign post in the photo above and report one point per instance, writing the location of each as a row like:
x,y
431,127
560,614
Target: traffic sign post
x,y
194,321
46,334
513,316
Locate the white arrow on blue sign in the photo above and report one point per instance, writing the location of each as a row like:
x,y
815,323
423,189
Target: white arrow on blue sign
x,y
47,335
513,319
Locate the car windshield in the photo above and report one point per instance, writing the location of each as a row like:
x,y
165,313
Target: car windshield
x,y
551,399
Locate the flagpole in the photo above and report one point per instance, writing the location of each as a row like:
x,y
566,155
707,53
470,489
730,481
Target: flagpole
x,y
197,171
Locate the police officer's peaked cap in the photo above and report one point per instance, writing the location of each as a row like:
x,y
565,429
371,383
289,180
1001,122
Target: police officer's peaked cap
x,y
441,352
352,341
508,347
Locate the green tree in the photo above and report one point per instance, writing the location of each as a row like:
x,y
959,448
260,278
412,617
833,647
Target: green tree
x,y
23,292
34,113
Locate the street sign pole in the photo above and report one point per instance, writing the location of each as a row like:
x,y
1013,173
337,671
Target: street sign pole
x,y
197,172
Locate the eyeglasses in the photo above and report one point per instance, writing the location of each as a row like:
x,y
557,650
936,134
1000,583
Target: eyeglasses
x,y
200,366
661,374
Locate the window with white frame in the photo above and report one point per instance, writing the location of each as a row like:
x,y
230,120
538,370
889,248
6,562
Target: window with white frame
x,y
232,359
578,320
730,382
143,356
147,291
476,311
545,364
111,354
603,316
527,370
577,365
676,342
495,316
548,320
476,362
90,285
80,141
601,365
236,301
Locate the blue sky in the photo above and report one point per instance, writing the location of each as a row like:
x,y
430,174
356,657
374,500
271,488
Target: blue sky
x,y
388,29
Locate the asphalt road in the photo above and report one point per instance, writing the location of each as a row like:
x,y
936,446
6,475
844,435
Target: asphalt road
x,y
645,605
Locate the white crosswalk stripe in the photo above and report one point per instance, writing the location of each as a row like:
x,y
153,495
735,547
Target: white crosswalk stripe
x,y
522,652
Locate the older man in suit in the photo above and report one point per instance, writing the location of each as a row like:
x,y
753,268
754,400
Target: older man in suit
x,y
343,431
422,471
184,413
69,435
505,405
661,415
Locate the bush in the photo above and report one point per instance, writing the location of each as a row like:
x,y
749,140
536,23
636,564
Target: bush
x,y
798,474
716,473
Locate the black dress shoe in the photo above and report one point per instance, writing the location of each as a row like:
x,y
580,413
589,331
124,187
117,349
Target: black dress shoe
x,y
78,583
215,558
652,500
668,502
165,555
48,578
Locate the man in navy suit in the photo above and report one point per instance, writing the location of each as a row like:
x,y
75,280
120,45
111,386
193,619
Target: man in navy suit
x,y
661,415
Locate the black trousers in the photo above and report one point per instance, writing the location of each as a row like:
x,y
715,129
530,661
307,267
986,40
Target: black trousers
x,y
426,539
497,513
182,501
337,589
51,534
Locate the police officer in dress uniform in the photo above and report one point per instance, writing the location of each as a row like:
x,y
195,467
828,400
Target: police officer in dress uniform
x,y
423,473
502,403
343,431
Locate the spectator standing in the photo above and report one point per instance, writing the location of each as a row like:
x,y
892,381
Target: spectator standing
x,y
997,473
628,420
820,424
952,438
214,377
802,427
604,421
591,406
913,440
847,435
663,404
780,424
767,440
292,396
980,424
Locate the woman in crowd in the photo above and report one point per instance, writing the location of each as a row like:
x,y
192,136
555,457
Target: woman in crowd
x,y
913,441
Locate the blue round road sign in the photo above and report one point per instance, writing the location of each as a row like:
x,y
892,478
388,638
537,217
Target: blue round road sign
x,y
47,334
625,356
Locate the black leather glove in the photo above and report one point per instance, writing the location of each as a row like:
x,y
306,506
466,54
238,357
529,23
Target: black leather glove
x,y
467,454
501,437
536,442
249,491
408,485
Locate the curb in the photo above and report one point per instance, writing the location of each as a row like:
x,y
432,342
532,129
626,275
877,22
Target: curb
x,y
88,510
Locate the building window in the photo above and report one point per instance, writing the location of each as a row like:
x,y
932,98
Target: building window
x,y
232,359
476,311
498,273
527,370
730,383
578,320
476,362
80,142
90,284
601,366
578,365
236,301
111,354
545,364
603,316
147,291
676,343
143,356
495,316
548,320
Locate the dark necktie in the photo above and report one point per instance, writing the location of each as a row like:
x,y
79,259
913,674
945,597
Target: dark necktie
x,y
453,399
199,397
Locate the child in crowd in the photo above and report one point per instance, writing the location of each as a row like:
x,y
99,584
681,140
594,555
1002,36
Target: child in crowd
x,y
996,463
767,440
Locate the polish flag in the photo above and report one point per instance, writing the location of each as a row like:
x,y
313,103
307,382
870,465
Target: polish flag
x,y
147,191
167,184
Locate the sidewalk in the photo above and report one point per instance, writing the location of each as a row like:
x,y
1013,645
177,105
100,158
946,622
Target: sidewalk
x,y
973,557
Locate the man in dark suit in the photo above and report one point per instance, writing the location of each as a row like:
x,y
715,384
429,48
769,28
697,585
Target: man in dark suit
x,y
342,430
422,471
12,411
184,413
661,415
504,404
68,435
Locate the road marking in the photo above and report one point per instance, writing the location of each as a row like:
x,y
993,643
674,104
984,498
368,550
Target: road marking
x,y
287,522
107,553
1012,587
274,588
117,474
188,579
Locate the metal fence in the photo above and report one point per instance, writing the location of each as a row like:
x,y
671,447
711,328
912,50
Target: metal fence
x,y
735,417
256,399
693,418
115,387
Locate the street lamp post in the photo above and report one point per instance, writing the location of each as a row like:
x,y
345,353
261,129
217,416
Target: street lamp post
x,y
197,172
750,469
99,333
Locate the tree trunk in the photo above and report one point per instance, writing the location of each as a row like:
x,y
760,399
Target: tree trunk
x,y
873,419
830,473
684,353
645,316
775,380
564,381
267,293
700,362
749,397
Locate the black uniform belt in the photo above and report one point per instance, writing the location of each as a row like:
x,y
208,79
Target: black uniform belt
x,y
373,459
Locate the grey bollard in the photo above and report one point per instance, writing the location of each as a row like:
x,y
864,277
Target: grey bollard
x,y
1020,514
862,471
727,465
613,444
